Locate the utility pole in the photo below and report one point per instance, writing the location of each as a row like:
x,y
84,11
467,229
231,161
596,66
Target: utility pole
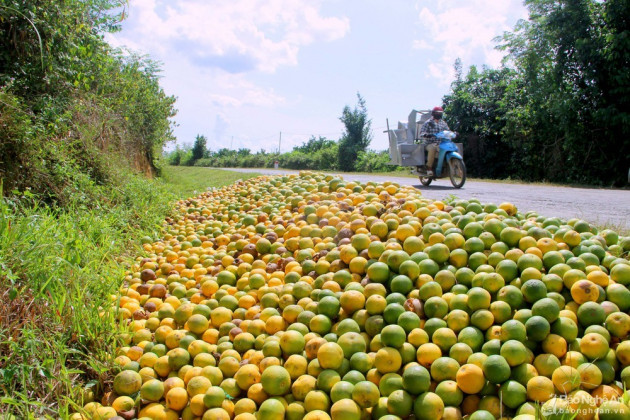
x,y
280,142
231,141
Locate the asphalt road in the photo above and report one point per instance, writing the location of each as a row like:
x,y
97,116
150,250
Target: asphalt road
x,y
602,207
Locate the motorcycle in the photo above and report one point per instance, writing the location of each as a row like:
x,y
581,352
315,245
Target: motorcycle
x,y
449,162
407,149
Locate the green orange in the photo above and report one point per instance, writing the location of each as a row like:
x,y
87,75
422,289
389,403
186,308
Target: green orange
x,y
276,380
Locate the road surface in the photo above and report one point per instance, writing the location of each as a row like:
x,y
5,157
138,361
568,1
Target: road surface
x,y
602,207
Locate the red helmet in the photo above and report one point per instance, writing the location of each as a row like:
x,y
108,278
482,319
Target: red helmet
x,y
437,112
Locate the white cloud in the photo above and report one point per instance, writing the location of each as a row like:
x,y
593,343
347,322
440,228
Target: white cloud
x,y
421,44
236,36
216,102
213,50
234,90
465,30
221,125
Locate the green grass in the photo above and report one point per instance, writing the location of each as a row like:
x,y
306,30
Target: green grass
x,y
188,181
621,230
58,271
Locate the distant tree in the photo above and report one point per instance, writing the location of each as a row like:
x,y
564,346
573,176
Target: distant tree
x,y
314,144
199,148
225,152
175,157
357,136
64,80
458,69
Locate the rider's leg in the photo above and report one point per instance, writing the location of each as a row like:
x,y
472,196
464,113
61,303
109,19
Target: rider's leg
x,y
431,150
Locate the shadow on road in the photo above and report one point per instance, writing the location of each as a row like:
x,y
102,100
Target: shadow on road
x,y
435,187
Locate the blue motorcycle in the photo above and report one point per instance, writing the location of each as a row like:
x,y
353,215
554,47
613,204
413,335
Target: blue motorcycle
x,y
449,162
407,149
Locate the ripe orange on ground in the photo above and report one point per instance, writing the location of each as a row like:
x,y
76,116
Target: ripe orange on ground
x,y
470,378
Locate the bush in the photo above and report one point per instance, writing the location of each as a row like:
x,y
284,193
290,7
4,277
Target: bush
x,y
205,162
187,158
297,160
174,158
270,159
372,161
254,161
326,158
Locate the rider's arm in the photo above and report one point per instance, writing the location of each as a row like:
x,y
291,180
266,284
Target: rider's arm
x,y
424,130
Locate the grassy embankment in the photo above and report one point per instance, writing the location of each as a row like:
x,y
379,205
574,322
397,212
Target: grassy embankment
x,y
58,269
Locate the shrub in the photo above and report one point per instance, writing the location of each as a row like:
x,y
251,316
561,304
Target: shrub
x,y
187,158
206,162
372,161
326,158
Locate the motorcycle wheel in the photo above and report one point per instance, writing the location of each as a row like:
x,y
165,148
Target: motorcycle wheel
x,y
425,180
457,172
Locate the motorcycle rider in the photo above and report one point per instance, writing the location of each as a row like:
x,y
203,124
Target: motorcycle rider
x,y
428,131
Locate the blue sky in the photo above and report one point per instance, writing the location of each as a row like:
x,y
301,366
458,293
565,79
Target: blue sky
x,y
245,70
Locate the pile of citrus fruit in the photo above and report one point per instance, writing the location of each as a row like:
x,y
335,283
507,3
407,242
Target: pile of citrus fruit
x,y
307,297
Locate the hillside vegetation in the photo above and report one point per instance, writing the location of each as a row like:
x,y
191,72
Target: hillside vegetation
x,y
71,107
